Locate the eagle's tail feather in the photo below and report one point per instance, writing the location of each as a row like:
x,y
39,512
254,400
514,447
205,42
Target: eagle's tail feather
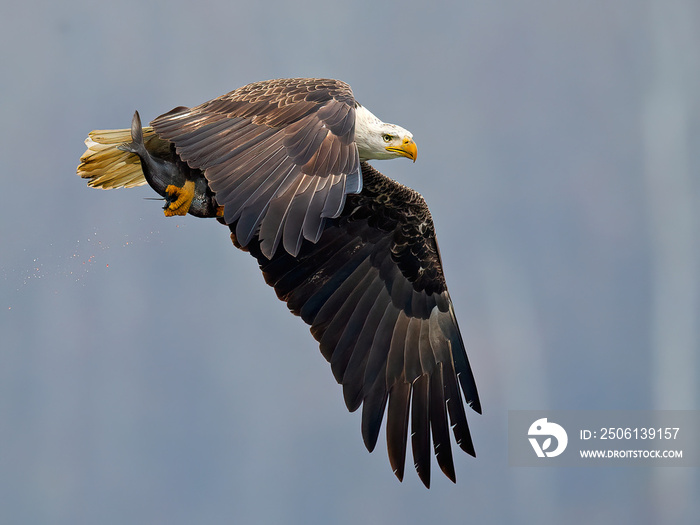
x,y
105,165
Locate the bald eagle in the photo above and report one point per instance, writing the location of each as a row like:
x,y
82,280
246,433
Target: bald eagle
x,y
283,164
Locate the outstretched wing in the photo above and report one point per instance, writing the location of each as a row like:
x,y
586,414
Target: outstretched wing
x,y
279,154
373,290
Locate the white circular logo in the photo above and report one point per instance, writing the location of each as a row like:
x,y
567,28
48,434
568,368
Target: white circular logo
x,y
541,433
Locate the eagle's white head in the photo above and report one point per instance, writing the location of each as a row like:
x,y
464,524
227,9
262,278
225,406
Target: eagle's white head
x,y
378,140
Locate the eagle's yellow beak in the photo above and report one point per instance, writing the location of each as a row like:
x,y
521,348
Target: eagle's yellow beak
x,y
408,149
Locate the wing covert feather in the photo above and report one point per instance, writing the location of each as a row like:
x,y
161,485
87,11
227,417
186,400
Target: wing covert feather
x,y
312,121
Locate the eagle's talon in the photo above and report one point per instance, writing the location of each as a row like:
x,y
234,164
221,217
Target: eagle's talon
x,y
179,199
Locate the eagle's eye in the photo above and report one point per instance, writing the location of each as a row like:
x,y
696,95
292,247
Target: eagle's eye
x,y
386,137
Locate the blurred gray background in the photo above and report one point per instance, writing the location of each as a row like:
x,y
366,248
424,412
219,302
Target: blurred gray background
x,y
149,376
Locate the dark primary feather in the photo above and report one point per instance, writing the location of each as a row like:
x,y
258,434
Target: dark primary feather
x,y
275,148
373,290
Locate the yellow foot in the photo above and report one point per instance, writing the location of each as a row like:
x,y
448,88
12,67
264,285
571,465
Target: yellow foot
x,y
182,199
220,211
